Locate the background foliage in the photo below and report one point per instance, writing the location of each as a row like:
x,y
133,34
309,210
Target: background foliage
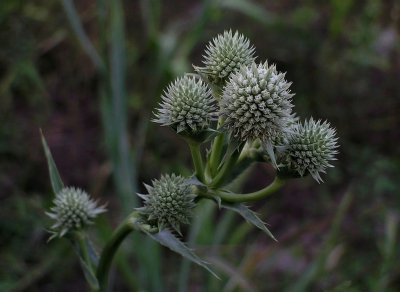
x,y
90,76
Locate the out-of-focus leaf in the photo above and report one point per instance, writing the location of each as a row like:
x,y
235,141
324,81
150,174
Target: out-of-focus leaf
x,y
55,178
117,132
87,270
250,9
249,215
77,27
166,238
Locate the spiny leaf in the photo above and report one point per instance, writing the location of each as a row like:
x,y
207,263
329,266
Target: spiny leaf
x,y
56,181
249,216
166,238
87,270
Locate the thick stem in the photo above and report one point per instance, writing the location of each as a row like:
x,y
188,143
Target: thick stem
x,y
109,252
197,160
216,150
249,197
226,168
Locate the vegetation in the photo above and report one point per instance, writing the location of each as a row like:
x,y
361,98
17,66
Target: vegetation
x,y
91,83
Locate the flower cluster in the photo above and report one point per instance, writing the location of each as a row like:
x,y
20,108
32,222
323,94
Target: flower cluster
x,y
169,202
225,55
310,147
254,105
73,209
187,105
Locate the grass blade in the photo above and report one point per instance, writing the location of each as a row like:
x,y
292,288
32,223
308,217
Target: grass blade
x,y
77,27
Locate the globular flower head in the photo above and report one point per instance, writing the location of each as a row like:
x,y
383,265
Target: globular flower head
x,y
224,55
187,105
311,147
256,104
169,202
73,209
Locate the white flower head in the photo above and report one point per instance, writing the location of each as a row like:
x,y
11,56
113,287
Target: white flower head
x,y
311,147
257,104
169,202
73,209
224,55
187,105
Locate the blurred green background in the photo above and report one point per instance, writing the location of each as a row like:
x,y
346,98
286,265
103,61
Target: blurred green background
x,y
89,73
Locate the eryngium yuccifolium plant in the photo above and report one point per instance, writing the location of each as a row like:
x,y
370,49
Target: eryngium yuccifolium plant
x,y
256,103
169,202
310,148
187,105
73,209
224,55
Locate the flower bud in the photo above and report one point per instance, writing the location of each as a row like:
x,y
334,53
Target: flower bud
x,y
73,209
187,105
256,104
310,148
169,202
225,54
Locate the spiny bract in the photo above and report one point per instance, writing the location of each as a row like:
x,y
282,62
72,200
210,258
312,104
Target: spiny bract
x,y
225,54
256,104
310,148
187,105
73,209
169,202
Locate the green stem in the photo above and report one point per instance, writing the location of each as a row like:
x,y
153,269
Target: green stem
x,y
110,250
80,239
226,168
216,150
249,197
197,160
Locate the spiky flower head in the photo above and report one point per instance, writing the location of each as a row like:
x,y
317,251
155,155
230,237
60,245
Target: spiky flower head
x,y
73,209
311,147
187,105
224,55
169,202
256,103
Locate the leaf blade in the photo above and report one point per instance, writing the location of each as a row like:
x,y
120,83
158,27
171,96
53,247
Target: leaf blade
x,y
55,178
249,215
167,239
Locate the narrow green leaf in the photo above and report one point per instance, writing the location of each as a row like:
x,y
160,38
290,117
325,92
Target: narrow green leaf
x,y
251,9
249,216
89,275
166,238
124,166
80,33
86,268
55,178
93,256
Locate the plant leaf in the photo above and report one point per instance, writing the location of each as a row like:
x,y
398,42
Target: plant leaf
x,y
166,238
56,181
87,270
249,215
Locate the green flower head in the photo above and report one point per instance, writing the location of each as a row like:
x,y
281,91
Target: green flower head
x,y
311,146
187,105
169,202
256,104
73,209
224,55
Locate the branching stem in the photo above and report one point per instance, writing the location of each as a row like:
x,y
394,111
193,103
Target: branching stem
x,y
110,250
197,160
249,197
216,150
227,167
